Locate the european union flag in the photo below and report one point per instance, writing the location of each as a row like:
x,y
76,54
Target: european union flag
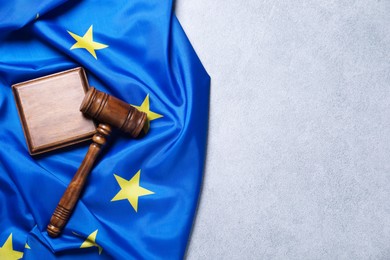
x,y
140,199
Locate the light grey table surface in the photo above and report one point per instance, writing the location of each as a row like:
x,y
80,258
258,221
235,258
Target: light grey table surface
x,y
298,158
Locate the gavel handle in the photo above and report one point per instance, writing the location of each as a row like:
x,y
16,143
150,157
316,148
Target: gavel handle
x,y
69,199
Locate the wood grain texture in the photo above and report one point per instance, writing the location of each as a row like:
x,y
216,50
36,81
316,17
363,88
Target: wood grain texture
x,y
69,199
108,110
48,110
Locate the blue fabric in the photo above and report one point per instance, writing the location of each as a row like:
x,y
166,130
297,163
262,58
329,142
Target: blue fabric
x,y
148,54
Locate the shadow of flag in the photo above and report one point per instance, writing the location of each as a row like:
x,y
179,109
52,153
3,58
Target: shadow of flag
x,y
140,199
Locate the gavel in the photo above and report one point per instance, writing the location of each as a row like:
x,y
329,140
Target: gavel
x,y
109,111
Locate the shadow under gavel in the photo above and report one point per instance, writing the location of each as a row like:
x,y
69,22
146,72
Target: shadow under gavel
x,y
110,111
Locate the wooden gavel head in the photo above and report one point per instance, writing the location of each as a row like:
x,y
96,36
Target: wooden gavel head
x,y
113,111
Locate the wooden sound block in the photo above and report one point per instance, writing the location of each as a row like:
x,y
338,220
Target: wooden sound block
x,y
49,110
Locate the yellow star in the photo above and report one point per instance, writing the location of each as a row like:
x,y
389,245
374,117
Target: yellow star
x,y
131,190
145,107
7,252
86,42
91,241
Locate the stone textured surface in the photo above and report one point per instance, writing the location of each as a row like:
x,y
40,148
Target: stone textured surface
x,y
298,159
